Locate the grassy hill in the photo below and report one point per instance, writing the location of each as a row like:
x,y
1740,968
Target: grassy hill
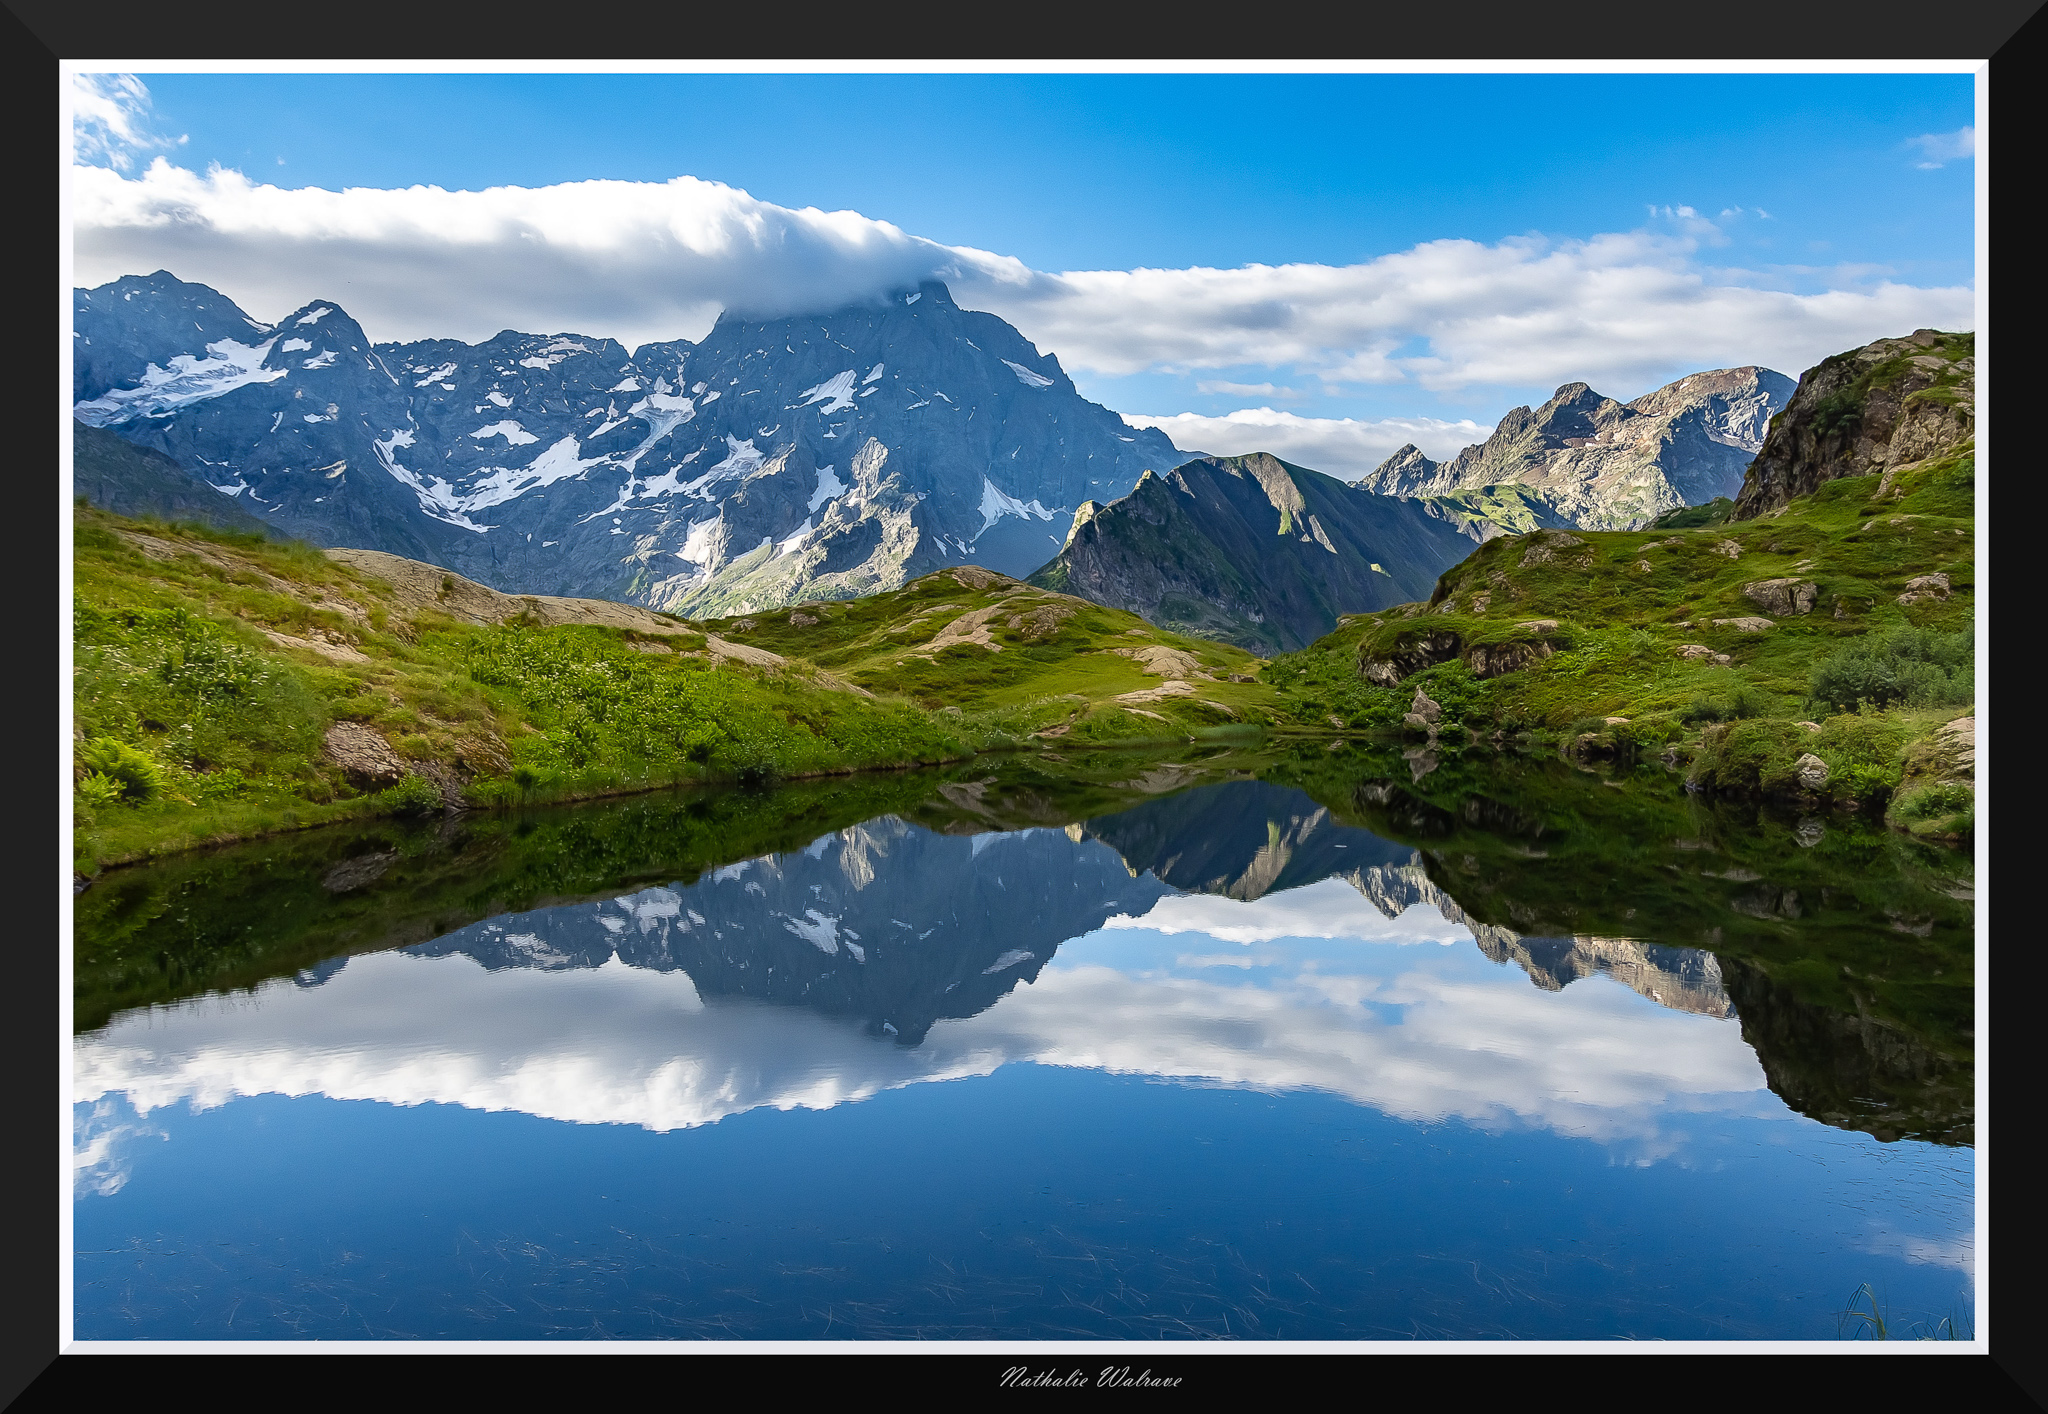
x,y
1841,627
228,686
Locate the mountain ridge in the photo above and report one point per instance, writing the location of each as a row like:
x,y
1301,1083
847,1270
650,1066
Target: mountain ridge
x,y
1601,464
770,463
1252,550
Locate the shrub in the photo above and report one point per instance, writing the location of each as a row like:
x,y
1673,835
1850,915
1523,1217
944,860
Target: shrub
x,y
1740,705
132,771
1910,666
97,790
415,795
1752,757
1935,801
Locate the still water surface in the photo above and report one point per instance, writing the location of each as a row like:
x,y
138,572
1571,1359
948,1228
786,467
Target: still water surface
x,y
1329,1046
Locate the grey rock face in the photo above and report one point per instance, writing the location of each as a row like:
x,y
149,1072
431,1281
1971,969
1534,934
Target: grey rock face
x,y
1605,465
777,461
1784,597
1813,772
1875,409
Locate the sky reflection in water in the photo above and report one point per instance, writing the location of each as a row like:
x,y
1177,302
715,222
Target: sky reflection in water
x,y
1355,1013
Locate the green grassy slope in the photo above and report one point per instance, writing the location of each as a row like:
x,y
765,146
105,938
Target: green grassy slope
x,y
210,668
1642,626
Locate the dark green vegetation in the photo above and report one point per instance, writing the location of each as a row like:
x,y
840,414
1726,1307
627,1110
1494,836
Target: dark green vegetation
x,y
213,670
1714,512
1254,551
1840,628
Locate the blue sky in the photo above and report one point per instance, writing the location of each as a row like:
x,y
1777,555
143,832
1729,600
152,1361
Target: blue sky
x,y
1795,184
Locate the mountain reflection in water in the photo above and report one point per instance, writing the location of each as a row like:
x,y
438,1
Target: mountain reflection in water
x,y
639,1068
888,928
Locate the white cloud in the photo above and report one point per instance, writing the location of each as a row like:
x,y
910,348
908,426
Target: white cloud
x,y
622,1045
111,120
1343,447
1328,908
1246,390
1621,311
632,260
655,260
1938,149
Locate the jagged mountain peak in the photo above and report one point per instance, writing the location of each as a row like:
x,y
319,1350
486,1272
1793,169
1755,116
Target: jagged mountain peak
x,y
1602,464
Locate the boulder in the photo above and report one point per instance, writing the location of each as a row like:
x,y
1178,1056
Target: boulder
x,y
1505,658
1783,597
1423,651
1749,624
1425,707
1813,772
1549,547
1926,586
364,757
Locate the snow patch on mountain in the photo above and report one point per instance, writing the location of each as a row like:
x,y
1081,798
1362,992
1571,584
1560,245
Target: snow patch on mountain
x,y
995,505
437,498
792,541
511,431
188,380
835,392
829,487
551,354
501,484
1027,377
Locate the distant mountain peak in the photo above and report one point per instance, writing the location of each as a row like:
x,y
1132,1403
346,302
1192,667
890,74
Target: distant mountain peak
x,y
1604,464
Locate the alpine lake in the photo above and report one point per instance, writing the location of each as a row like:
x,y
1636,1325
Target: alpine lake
x,y
1285,1041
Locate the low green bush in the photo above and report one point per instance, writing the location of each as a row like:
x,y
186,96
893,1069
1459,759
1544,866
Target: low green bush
x,y
1949,798
415,795
1903,667
97,791
134,775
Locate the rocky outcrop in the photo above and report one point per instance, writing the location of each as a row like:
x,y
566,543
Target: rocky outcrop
x,y
1871,410
1926,586
1254,551
1491,662
1605,465
1813,772
1425,650
1783,597
365,758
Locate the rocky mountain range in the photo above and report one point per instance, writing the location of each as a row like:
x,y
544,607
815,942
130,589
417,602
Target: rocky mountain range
x,y
1254,551
1606,465
899,926
813,457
